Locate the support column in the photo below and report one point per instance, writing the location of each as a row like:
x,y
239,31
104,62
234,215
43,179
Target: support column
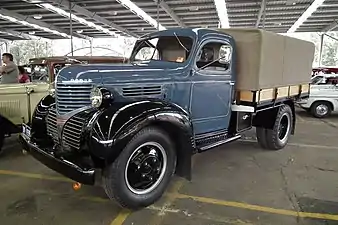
x,y
71,28
321,49
91,47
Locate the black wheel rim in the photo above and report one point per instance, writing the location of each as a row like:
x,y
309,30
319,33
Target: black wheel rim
x,y
145,168
284,128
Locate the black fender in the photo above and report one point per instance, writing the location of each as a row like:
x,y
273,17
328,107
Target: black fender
x,y
266,118
38,125
114,127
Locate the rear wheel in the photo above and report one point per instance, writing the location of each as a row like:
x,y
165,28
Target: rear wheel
x,y
321,109
141,173
277,137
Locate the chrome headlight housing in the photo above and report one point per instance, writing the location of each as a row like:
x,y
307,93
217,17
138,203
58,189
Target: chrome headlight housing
x,y
96,97
101,97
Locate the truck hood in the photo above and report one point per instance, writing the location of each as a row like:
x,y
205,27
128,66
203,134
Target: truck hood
x,y
116,73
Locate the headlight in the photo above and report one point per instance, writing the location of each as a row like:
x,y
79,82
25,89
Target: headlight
x,y
51,92
96,97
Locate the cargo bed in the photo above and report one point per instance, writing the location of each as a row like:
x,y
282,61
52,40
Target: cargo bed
x,y
272,95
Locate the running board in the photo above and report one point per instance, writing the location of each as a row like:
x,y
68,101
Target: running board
x,y
218,143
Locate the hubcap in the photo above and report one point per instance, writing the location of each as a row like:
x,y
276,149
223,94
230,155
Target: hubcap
x,y
146,168
284,127
322,110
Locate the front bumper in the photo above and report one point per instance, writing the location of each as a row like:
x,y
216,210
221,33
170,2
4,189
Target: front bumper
x,y
60,165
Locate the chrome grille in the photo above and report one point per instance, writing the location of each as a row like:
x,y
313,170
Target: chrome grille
x,y
71,135
142,91
73,96
51,125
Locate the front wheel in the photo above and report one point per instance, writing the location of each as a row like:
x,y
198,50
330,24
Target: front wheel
x,y
277,137
142,172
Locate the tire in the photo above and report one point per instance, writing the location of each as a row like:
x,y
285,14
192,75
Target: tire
x,y
321,109
116,178
278,137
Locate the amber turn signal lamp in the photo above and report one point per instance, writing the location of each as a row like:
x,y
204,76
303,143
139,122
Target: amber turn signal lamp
x,y
76,186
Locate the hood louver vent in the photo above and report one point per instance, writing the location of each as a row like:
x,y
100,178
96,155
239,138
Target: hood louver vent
x,y
145,91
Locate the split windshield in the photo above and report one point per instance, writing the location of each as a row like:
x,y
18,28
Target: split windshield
x,y
163,48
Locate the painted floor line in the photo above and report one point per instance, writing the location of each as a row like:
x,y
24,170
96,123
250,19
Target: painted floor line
x,y
121,217
35,176
259,208
205,216
297,144
210,201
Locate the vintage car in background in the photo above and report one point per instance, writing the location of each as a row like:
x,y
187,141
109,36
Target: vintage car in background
x,y
324,70
323,99
46,68
18,101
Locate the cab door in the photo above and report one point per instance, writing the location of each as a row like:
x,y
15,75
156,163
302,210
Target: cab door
x,y
212,87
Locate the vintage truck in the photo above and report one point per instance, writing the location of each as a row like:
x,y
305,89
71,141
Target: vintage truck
x,y
184,91
17,101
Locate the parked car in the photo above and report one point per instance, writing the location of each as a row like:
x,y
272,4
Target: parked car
x,y
18,101
323,99
184,91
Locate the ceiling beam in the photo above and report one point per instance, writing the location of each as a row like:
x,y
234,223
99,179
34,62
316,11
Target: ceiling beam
x,y
32,21
78,9
331,26
20,34
170,12
261,11
306,14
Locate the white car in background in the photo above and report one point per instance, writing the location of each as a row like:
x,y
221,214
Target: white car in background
x,y
323,99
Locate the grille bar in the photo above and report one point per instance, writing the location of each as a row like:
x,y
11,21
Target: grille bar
x,y
51,125
70,97
141,91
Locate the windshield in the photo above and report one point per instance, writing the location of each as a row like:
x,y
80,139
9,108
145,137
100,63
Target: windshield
x,y
39,73
163,48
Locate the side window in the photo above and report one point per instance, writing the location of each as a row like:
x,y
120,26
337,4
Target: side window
x,y
214,56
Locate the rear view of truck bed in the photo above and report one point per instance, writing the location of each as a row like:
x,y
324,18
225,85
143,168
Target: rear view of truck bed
x,y
270,66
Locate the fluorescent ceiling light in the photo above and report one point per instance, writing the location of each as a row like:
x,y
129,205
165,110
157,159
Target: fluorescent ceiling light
x,y
308,12
37,17
222,13
76,18
140,13
25,23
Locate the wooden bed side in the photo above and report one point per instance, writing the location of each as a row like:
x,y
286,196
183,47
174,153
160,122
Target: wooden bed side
x,y
271,94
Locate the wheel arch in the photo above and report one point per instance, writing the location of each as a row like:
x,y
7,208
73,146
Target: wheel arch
x,y
326,101
119,126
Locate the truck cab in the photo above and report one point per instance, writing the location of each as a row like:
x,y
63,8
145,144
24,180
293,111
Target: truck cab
x,y
140,123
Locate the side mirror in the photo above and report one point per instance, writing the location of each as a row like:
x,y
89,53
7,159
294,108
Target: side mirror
x,y
224,54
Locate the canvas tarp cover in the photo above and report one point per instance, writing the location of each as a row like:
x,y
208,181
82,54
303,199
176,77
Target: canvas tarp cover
x,y
266,59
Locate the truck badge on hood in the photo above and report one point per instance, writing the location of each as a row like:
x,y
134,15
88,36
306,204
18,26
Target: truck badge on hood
x,y
76,81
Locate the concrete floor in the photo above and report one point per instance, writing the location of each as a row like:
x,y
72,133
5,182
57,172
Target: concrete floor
x,y
235,184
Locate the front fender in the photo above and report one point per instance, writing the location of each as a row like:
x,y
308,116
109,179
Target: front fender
x,y
39,129
115,127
